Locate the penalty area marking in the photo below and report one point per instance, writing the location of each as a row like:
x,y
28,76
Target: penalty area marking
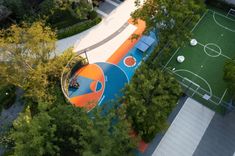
x,y
219,24
184,70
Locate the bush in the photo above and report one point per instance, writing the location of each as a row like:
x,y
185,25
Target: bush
x,y
77,28
92,15
7,99
150,98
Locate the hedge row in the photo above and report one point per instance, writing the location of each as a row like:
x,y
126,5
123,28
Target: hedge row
x,y
77,28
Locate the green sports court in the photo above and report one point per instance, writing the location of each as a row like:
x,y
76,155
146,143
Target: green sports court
x,y
201,71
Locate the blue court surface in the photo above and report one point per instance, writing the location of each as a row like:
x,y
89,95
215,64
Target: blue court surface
x,y
116,76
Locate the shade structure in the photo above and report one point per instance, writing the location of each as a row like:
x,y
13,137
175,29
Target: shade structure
x,y
147,40
142,46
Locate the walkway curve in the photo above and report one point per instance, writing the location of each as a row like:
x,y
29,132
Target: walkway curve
x,y
123,27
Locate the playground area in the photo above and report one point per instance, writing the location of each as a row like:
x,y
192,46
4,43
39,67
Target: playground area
x,y
198,66
101,82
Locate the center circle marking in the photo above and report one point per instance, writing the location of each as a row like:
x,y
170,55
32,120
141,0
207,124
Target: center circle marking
x,y
129,61
218,51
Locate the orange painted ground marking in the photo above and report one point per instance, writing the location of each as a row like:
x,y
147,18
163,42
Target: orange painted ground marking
x,y
129,43
142,146
90,100
93,86
91,71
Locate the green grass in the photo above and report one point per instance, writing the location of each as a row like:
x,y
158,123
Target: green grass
x,y
214,32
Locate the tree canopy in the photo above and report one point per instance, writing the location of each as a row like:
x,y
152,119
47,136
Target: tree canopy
x,y
67,130
150,97
172,19
28,61
229,76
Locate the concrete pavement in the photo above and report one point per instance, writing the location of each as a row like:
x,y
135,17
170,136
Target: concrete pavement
x,y
100,32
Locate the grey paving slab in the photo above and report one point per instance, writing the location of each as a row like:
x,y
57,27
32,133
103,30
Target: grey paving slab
x,y
219,138
106,7
186,131
153,145
117,1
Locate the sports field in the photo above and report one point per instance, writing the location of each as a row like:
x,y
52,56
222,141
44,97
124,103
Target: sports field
x,y
201,73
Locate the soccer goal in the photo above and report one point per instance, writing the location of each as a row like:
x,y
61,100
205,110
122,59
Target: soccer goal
x,y
231,13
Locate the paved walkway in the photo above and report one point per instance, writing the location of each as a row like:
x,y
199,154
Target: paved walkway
x,y
186,131
9,115
115,22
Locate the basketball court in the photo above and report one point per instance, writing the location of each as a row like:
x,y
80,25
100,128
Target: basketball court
x,y
201,72
101,82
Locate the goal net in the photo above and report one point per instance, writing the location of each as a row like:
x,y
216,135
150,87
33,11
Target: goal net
x,y
231,13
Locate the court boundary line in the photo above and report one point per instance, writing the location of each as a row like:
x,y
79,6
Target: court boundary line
x,y
219,24
170,58
223,95
199,20
221,15
98,103
200,94
119,68
207,83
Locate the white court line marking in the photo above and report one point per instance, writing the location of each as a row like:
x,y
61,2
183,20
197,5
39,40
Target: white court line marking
x,y
221,24
199,20
101,88
223,95
184,70
170,59
207,47
101,100
222,15
120,69
214,51
194,89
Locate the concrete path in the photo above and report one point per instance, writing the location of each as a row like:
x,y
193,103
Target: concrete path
x,y
186,131
108,26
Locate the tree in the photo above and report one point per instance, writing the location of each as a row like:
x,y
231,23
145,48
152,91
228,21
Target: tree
x,y
173,19
19,8
150,97
34,135
23,49
229,76
79,9
28,60
67,130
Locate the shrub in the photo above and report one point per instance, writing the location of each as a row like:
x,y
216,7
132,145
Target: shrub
x,y
7,99
77,28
